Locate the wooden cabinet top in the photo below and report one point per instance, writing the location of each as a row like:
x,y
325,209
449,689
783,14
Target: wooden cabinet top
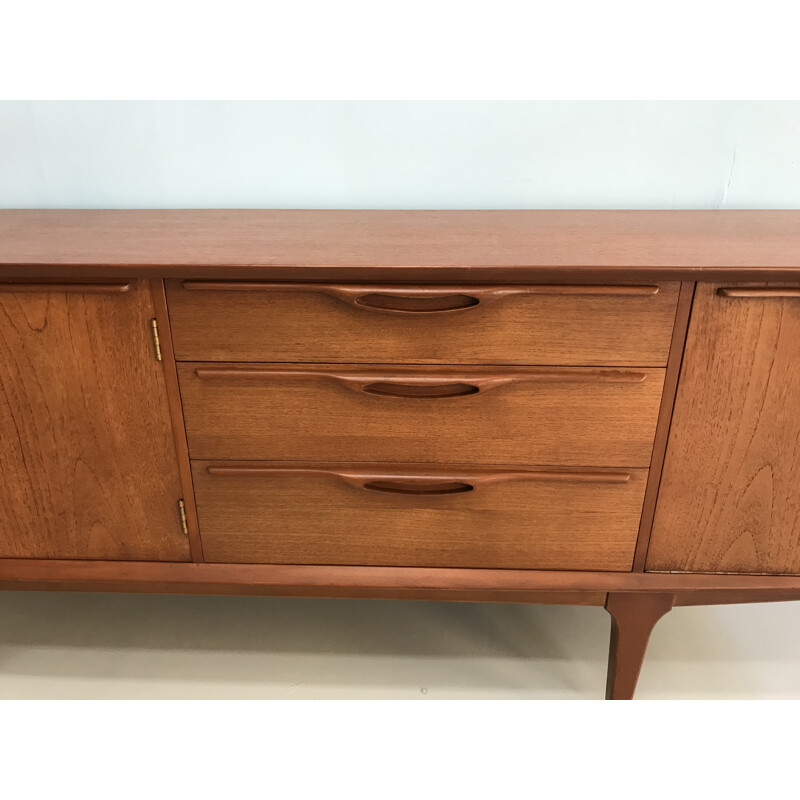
x,y
505,246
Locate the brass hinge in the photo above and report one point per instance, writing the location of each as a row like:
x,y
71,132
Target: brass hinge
x,y
156,341
182,512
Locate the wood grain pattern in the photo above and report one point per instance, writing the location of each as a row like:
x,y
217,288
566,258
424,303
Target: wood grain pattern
x,y
306,580
87,465
423,298
671,376
633,618
285,516
74,287
557,420
729,499
574,598
762,292
176,415
726,597
328,592
198,242
308,325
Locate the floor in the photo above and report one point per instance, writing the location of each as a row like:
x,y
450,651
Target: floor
x,y
76,645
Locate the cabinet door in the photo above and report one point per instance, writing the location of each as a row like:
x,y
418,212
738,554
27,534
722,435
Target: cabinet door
x,y
730,491
87,464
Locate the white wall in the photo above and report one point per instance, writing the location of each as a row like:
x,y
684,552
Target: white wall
x,y
392,154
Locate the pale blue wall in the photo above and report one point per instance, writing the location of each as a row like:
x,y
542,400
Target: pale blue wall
x,y
391,154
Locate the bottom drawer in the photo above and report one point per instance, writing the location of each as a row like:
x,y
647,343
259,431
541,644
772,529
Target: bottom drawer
x,y
418,515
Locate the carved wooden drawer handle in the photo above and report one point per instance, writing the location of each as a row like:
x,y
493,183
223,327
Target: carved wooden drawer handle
x,y
82,288
424,385
398,299
425,390
758,291
419,487
401,480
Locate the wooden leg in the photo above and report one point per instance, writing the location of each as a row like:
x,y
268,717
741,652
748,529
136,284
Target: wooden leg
x,y
633,617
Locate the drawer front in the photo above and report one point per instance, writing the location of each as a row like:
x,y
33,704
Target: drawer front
x,y
553,325
416,515
534,415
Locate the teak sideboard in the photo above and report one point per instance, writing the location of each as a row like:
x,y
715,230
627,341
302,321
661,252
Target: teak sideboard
x,y
583,407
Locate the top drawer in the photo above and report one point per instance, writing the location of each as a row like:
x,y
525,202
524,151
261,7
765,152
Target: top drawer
x,y
534,324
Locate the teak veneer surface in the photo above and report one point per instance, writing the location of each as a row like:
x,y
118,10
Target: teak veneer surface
x,y
176,413
87,463
730,491
561,416
671,376
581,325
453,339
325,514
672,244
299,579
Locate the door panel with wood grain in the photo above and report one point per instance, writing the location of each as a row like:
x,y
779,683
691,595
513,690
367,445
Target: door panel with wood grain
x,y
730,492
87,463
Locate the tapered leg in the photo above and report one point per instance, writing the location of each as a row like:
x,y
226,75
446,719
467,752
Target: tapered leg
x,y
633,616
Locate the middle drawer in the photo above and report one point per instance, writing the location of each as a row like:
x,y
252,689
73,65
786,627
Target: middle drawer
x,y
568,416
